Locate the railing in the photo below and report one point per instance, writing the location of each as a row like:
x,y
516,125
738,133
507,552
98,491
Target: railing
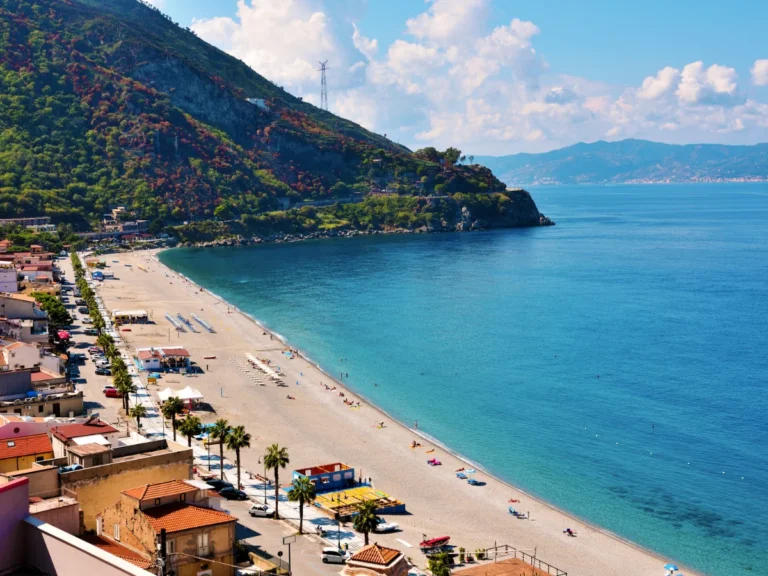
x,y
507,550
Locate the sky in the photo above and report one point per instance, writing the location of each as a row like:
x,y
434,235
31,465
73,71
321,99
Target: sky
x,y
505,76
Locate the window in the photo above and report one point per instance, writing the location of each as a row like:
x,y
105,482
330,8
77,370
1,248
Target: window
x,y
170,546
183,497
157,501
11,443
40,408
202,544
117,532
39,458
99,526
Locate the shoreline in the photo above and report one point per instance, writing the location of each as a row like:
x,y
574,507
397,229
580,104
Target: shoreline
x,y
420,434
540,503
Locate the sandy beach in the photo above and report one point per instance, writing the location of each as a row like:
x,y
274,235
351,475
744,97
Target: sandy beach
x,y
317,427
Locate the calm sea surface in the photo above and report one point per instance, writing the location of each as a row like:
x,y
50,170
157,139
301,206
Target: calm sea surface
x,y
616,364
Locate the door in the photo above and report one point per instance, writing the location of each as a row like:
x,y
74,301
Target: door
x,y
57,409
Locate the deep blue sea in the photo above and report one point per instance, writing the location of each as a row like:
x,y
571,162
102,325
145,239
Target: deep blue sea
x,y
615,365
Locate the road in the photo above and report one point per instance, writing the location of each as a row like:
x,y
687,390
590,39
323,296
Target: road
x,y
262,533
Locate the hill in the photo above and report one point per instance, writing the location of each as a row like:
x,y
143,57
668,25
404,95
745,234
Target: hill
x,y
632,161
107,102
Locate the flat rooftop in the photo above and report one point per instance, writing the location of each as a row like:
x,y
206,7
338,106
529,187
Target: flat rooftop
x,y
508,567
51,504
141,455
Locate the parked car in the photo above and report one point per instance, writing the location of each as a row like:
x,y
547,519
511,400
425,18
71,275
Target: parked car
x,y
103,372
261,511
384,526
91,332
83,310
332,555
107,387
80,302
233,493
218,484
113,393
95,350
102,363
87,320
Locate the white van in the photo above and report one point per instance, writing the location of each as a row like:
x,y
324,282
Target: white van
x,y
332,555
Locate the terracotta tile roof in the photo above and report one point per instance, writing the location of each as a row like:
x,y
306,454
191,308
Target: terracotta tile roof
x,y
178,517
25,446
147,354
177,351
375,554
69,431
42,376
18,297
160,490
118,550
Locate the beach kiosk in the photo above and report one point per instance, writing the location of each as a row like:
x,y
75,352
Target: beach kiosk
x,y
130,317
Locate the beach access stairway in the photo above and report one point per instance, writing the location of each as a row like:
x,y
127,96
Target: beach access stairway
x,y
501,551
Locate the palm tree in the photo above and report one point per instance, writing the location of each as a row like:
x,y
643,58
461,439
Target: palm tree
x,y
236,439
274,459
171,408
189,427
220,431
138,412
365,520
124,386
302,491
104,340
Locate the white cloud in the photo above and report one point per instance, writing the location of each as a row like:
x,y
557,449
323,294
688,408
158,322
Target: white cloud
x,y
712,86
365,45
454,79
659,85
760,73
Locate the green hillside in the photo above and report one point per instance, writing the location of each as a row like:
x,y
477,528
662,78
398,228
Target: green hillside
x,y
106,102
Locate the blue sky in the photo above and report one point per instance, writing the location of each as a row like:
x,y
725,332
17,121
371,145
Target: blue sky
x,y
462,72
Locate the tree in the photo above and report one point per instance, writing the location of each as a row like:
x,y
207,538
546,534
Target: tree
x,y
365,520
124,385
57,314
429,153
171,408
303,492
189,427
237,439
439,564
451,156
471,159
220,432
274,459
138,412
104,340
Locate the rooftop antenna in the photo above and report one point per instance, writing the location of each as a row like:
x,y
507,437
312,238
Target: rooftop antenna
x,y
323,86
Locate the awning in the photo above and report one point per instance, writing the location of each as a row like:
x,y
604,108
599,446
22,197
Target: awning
x,y
187,393
63,335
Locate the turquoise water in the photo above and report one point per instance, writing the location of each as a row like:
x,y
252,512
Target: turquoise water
x,y
615,365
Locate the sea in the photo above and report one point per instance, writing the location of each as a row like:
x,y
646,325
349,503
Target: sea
x,y
614,365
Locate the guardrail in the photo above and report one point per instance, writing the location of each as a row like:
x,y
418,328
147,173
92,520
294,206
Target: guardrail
x,y
505,550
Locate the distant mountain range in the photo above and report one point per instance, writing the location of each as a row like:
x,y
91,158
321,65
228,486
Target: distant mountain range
x,y
632,161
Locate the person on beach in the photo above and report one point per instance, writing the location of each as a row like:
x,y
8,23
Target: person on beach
x,y
416,424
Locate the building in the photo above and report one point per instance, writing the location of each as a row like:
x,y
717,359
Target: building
x,y
31,321
89,455
91,432
37,393
97,487
168,357
21,453
9,278
199,540
29,545
375,560
328,477
15,355
26,222
5,245
130,317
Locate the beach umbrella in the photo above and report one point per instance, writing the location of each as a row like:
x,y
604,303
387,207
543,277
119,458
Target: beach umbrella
x,y
672,567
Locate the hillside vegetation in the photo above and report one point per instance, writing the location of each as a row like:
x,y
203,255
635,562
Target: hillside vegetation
x,y
106,102
633,161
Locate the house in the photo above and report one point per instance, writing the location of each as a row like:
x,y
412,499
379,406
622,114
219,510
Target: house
x,y
168,357
90,432
9,278
15,355
375,560
20,453
5,245
30,545
32,320
100,486
90,454
199,540
328,477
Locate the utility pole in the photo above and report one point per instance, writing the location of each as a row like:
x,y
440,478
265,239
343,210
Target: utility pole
x,y
323,86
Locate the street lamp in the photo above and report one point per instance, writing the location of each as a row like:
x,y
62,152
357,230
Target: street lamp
x,y
338,520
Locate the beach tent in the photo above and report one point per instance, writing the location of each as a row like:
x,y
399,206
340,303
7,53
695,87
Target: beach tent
x,y
165,394
190,393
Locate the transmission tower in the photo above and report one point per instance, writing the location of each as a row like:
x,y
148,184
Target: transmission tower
x,y
323,86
